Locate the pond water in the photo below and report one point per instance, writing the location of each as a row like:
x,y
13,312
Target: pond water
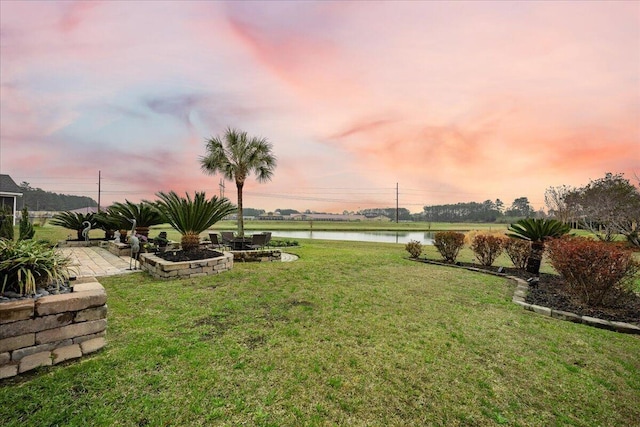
x,y
424,237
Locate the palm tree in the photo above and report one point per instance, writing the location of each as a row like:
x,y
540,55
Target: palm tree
x,y
236,156
192,216
537,231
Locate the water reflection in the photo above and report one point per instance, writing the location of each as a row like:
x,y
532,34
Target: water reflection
x,y
424,237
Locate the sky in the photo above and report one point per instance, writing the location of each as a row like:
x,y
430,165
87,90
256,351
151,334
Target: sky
x,y
444,101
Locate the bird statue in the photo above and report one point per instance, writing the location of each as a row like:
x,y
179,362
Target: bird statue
x,y
134,242
85,230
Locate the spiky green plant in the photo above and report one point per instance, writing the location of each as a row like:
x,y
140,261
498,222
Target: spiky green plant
x,y
26,228
192,216
74,221
145,214
28,264
537,231
236,156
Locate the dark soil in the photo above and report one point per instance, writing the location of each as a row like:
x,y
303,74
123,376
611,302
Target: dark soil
x,y
551,291
194,255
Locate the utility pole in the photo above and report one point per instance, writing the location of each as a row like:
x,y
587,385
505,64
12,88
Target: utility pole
x,y
397,198
99,184
221,185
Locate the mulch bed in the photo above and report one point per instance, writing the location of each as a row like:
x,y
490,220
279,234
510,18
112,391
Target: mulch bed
x,y
195,255
551,291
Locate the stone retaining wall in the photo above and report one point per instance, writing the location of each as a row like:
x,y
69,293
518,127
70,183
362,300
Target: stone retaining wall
x,y
162,269
258,255
53,328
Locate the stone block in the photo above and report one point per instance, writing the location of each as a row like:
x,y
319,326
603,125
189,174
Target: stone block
x,y
28,351
86,279
74,301
193,276
61,354
14,343
16,310
92,345
7,371
34,325
627,328
5,358
89,286
71,331
84,338
565,315
541,310
94,313
34,361
598,323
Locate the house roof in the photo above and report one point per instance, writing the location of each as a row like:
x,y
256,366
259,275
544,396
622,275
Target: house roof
x,y
8,185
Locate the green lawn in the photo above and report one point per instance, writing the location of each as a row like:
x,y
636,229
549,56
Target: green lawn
x,y
350,334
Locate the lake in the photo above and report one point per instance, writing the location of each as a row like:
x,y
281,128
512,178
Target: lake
x,y
424,237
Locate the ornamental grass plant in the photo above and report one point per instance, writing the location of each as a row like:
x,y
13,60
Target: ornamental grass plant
x,y
26,265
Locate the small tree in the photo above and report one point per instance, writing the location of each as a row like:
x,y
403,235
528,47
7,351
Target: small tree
x,y
6,224
609,206
26,228
449,243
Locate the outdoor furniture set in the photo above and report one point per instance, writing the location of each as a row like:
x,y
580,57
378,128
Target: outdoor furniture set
x,y
228,239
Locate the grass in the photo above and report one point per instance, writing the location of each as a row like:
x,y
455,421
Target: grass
x,y
350,334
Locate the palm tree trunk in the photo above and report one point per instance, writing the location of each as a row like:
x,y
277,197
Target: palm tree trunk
x,y
535,258
239,186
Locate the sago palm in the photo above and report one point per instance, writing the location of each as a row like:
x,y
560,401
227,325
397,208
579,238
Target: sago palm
x,y
145,214
73,221
236,155
192,216
537,231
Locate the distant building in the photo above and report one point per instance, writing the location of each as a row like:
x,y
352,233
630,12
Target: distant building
x,y
9,193
327,217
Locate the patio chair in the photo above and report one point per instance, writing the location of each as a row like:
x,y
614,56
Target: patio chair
x,y
268,239
258,241
215,241
227,238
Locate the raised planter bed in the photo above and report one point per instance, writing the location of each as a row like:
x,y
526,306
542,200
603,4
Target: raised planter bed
x,y
53,328
163,269
258,255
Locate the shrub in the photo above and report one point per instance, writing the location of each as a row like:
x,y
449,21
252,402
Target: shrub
x,y
6,224
448,243
26,228
414,248
28,264
596,272
518,251
487,247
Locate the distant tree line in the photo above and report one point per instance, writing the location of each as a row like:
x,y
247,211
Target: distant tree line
x,y
36,199
487,211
